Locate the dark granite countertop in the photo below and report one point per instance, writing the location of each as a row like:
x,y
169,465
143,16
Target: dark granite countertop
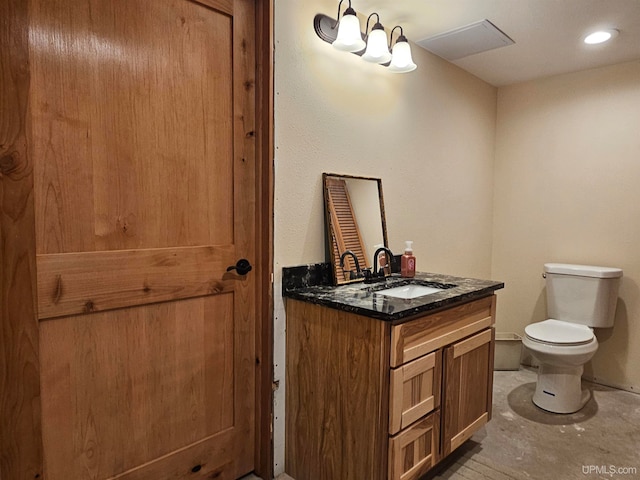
x,y
312,283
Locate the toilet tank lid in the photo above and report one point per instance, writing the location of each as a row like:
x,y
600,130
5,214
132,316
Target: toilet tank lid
x,y
582,270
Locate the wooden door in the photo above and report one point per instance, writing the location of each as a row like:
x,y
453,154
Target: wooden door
x,y
468,383
142,139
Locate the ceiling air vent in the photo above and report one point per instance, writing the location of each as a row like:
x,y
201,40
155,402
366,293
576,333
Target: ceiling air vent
x,y
464,41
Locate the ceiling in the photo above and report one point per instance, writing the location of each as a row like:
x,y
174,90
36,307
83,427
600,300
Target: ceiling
x,y
547,33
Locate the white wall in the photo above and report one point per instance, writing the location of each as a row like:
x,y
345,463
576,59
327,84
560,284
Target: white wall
x,y
567,189
429,135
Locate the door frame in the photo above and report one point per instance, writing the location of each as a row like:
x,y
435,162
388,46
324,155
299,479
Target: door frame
x,y
264,242
20,419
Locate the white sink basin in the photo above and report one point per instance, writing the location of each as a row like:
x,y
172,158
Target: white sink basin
x,y
409,291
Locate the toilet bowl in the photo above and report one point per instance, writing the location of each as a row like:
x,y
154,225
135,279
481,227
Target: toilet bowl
x,y
562,349
579,298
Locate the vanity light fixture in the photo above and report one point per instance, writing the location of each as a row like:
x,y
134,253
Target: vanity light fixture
x,y
344,34
600,36
349,38
401,61
377,48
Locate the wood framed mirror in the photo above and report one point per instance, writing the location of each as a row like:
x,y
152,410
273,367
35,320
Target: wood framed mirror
x,y
355,221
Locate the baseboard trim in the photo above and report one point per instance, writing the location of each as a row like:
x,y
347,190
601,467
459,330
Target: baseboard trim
x,y
606,383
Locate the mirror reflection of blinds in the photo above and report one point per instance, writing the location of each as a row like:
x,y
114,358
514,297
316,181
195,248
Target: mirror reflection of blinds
x,y
346,235
336,257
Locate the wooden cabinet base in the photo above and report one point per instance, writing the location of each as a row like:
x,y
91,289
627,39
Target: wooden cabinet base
x,y
367,399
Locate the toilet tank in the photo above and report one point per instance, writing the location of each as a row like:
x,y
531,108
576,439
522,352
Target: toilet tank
x,y
582,294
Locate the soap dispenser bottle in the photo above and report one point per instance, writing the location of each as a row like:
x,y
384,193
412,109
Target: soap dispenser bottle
x,y
408,261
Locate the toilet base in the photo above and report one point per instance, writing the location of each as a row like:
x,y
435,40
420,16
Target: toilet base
x,y
559,389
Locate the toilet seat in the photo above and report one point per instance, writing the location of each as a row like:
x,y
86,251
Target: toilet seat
x,y
557,332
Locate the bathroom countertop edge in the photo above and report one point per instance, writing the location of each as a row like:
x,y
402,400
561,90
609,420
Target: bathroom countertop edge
x,y
361,299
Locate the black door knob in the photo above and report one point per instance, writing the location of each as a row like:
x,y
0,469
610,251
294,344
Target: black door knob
x,y
242,266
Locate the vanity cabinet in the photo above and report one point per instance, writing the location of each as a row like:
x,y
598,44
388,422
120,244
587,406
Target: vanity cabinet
x,y
370,399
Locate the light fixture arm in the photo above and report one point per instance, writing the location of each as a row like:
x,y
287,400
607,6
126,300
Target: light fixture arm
x,y
401,38
366,30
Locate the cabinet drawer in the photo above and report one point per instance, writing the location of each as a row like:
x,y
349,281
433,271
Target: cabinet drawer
x,y
415,390
418,337
414,451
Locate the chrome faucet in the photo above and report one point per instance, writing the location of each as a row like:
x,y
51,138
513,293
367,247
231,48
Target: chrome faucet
x,y
355,260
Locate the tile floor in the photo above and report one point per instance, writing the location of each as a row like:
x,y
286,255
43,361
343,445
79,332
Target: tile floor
x,y
522,442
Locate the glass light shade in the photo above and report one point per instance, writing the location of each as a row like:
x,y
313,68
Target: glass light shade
x,y
377,50
349,36
401,61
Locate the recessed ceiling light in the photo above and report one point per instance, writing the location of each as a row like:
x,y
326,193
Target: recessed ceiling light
x,y
600,36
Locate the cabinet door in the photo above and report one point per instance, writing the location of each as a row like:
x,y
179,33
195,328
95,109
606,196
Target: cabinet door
x,y
415,390
468,381
415,450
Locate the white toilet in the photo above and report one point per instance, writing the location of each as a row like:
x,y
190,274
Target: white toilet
x,y
579,298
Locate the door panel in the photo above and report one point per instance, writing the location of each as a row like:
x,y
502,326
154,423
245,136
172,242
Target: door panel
x,y
142,131
132,112
75,283
125,389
